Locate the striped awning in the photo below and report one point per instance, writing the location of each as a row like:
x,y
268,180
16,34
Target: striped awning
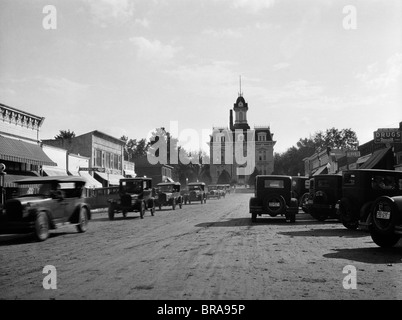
x,y
23,152
10,178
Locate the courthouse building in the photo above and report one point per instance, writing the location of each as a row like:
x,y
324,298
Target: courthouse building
x,y
228,148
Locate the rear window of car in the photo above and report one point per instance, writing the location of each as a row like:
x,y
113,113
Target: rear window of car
x,y
349,179
323,183
383,182
277,184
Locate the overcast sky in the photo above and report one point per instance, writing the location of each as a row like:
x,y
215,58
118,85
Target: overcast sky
x,y
124,67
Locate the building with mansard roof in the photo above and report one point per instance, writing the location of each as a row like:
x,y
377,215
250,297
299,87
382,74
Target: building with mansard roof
x,y
237,150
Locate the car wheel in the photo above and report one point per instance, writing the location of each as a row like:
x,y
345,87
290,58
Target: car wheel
x,y
82,220
346,215
41,226
253,217
111,212
274,211
384,240
142,210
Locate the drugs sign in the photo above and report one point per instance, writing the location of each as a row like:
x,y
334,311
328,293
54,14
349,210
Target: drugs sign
x,y
390,135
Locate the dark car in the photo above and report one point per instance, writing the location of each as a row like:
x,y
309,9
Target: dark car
x,y
45,203
169,195
325,192
360,188
272,196
300,189
195,192
386,220
135,195
213,192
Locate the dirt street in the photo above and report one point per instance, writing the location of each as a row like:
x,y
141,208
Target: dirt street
x,y
203,251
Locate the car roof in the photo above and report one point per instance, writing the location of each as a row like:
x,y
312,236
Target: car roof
x,y
136,179
196,183
273,176
169,184
51,179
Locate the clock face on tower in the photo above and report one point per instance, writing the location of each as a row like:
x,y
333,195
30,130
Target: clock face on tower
x,y
240,104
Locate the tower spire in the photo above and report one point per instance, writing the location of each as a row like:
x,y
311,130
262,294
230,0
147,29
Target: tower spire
x,y
240,93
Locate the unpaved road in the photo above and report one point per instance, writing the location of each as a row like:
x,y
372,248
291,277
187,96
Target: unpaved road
x,y
209,251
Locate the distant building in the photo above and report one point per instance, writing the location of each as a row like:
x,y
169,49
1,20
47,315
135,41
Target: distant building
x,y
104,152
226,141
323,162
158,172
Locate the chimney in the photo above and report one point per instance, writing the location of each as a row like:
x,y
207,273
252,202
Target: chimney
x,y
231,120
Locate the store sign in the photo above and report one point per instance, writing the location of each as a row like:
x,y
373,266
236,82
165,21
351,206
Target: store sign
x,y
389,135
92,169
353,153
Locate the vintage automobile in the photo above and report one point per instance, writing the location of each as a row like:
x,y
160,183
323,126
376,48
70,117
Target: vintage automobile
x,y
169,195
272,196
325,192
214,192
386,220
300,190
195,192
222,189
135,195
360,189
46,203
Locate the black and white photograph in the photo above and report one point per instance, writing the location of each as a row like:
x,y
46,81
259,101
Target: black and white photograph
x,y
200,156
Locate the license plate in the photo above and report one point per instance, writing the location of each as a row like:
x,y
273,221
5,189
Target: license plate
x,y
383,215
274,204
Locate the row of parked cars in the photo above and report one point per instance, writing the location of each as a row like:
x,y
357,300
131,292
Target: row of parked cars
x,y
46,203
367,199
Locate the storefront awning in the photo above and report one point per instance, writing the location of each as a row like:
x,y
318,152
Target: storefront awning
x,y
375,159
54,171
23,152
130,173
91,181
167,179
114,179
10,178
321,170
363,159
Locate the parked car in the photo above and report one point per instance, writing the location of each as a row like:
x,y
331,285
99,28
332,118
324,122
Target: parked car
x,y
46,203
213,192
325,192
136,195
386,220
195,192
222,189
169,195
272,196
300,189
360,189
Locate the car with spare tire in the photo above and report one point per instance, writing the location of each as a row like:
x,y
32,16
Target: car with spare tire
x,y
273,196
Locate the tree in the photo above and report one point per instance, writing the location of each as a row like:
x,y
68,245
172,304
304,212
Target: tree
x,y
134,148
65,134
291,161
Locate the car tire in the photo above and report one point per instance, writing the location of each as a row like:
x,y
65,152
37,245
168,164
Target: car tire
x,y
174,204
346,215
41,226
274,212
384,226
142,210
385,240
111,212
253,217
82,220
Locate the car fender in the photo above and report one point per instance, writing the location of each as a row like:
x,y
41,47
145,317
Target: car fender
x,y
74,217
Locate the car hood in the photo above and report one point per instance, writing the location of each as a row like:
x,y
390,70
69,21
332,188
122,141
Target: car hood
x,y
31,200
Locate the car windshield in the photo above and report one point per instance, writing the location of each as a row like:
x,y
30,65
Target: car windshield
x,y
212,187
192,188
134,186
47,189
168,188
